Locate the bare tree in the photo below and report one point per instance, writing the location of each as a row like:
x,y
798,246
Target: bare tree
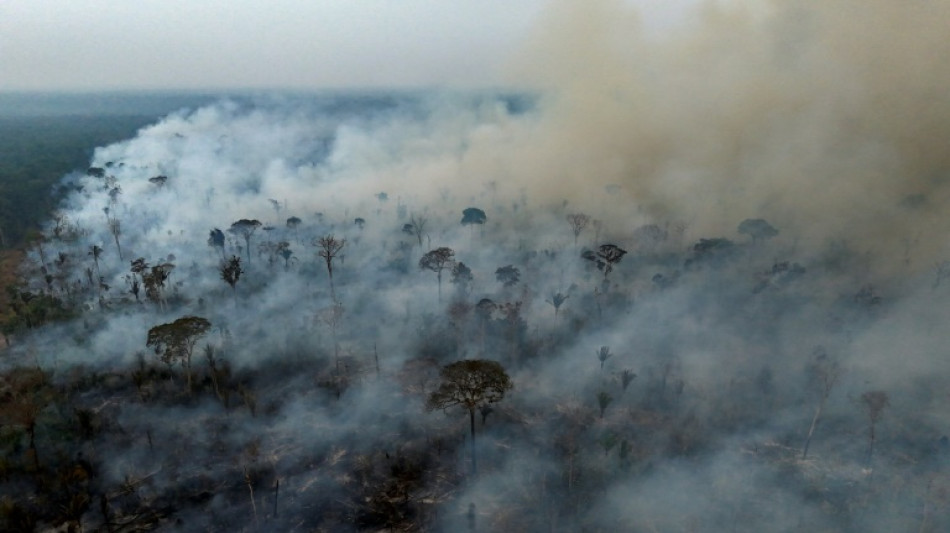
x,y
874,404
416,227
436,261
824,373
115,228
329,248
578,222
470,383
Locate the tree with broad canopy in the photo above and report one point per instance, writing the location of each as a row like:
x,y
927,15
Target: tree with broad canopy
x,y
470,383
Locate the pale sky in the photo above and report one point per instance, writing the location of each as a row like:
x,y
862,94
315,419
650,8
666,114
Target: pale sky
x,y
213,44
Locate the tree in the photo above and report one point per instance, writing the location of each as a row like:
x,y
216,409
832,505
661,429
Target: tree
x,y
508,275
626,378
246,228
556,301
578,222
436,261
606,257
231,271
96,252
473,216
757,228
462,277
416,227
603,354
158,181
874,404
294,223
115,228
603,401
176,341
470,383
824,373
329,248
216,240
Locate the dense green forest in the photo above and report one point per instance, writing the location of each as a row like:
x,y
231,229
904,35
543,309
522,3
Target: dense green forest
x,y
45,136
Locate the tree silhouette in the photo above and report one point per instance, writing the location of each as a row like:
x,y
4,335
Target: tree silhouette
x,y
603,354
329,248
874,404
473,216
216,240
824,373
757,228
470,383
115,228
231,271
436,261
176,341
246,228
556,301
294,223
508,275
462,277
605,258
603,401
578,222
416,227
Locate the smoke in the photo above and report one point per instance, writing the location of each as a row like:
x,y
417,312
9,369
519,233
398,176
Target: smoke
x,y
828,118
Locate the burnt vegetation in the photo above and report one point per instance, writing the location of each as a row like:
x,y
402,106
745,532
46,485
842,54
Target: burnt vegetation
x,y
239,381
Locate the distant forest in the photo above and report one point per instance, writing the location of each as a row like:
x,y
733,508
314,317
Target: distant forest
x,y
43,137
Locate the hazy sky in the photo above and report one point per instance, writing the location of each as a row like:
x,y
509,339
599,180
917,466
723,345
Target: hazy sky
x,y
107,44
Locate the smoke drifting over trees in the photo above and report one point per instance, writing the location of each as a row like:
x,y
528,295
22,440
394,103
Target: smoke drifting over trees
x,y
676,383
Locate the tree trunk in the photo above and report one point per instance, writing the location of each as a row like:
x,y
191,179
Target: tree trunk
x,y
471,417
811,430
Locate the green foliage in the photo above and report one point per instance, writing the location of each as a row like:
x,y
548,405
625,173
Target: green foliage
x,y
37,152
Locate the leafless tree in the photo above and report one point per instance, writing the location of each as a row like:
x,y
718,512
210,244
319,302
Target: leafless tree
x,y
329,248
578,222
824,373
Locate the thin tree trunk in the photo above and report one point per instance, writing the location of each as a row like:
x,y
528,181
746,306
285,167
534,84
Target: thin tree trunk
x,y
471,417
811,430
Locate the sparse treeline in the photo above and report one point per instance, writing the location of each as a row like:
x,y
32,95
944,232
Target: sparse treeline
x,y
232,379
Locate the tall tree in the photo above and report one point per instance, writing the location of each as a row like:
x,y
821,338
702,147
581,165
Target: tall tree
x,y
436,261
329,248
470,383
246,228
473,216
824,373
176,341
231,271
216,240
874,404
416,227
294,223
578,222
